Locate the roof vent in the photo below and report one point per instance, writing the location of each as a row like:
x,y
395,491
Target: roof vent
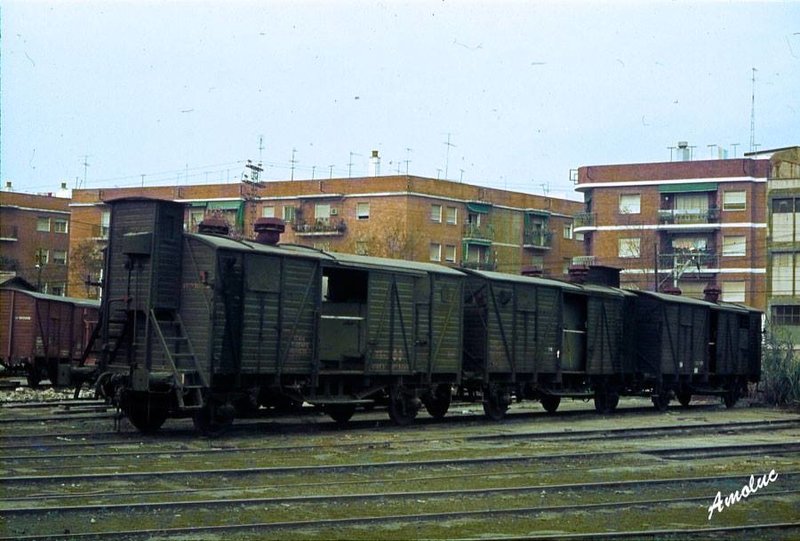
x,y
711,293
214,225
268,230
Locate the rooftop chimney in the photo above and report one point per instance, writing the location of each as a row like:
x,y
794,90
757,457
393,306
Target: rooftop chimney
x,y
711,293
578,274
8,187
214,225
64,192
684,152
268,230
374,164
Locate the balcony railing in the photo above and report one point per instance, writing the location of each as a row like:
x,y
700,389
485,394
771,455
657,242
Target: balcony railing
x,y
689,216
479,265
585,219
322,227
9,232
689,262
480,232
537,238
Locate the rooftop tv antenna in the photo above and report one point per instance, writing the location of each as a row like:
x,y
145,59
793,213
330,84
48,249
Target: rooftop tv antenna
x,y
447,156
85,169
260,149
293,161
350,164
753,114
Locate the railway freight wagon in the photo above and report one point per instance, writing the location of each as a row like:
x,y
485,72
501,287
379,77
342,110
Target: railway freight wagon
x,y
544,339
204,325
44,335
688,346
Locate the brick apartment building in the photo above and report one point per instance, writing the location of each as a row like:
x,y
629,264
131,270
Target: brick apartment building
x,y
684,224
34,239
398,216
783,241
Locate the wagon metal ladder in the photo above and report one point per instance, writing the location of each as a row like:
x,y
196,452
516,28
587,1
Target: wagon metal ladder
x,y
189,379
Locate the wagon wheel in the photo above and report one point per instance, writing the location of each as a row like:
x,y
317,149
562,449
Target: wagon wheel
x,y
684,397
438,402
143,412
213,418
403,406
550,402
341,413
730,397
661,400
495,403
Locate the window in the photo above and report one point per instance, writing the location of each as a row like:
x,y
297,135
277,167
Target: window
x,y
58,289
42,256
734,200
630,203
59,257
436,251
733,245
630,247
195,217
43,224
105,223
785,220
733,291
450,253
579,237
324,246
452,215
289,214
786,274
568,231
268,212
322,212
362,247
362,211
436,213
60,226
786,315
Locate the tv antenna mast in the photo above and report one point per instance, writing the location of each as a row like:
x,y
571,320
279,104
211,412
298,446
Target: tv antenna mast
x,y
447,156
753,114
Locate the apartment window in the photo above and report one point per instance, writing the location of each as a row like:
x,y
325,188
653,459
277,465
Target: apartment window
x,y
105,223
43,224
322,212
289,214
786,315
568,231
733,291
734,200
630,203
268,212
60,226
362,248
786,274
785,220
452,215
195,217
362,211
580,237
734,245
450,253
436,213
630,247
58,290
324,246
42,256
436,251
59,257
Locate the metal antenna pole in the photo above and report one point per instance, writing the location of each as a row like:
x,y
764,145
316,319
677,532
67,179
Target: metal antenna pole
x,y
447,156
753,114
293,161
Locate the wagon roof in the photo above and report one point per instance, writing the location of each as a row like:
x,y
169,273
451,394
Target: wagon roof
x,y
87,303
345,260
678,299
520,279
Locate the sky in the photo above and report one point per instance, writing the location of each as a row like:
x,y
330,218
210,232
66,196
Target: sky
x,y
507,94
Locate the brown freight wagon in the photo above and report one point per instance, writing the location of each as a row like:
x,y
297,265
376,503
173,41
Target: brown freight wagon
x,y
40,333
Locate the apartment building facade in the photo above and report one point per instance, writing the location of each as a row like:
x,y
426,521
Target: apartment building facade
x,y
398,216
680,225
783,241
34,239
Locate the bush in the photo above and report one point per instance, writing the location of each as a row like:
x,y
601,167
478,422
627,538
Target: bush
x,y
780,369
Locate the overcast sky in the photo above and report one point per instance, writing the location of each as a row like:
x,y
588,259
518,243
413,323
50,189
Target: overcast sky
x,y
182,92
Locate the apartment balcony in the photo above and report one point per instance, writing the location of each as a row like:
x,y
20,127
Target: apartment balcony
x,y
9,233
586,220
688,216
541,239
689,262
483,233
479,265
320,228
